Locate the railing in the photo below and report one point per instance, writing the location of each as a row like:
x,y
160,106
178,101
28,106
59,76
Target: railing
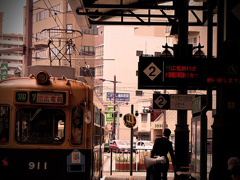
x,y
120,161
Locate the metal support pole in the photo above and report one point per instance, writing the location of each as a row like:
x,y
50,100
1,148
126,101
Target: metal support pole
x,y
182,131
131,152
164,116
111,162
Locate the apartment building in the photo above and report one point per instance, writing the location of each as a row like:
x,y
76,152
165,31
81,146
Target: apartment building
x,y
60,41
12,60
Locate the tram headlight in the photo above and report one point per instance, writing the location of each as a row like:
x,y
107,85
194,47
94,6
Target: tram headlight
x,y
88,117
42,77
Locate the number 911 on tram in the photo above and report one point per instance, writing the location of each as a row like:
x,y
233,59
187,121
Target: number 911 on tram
x,y
50,128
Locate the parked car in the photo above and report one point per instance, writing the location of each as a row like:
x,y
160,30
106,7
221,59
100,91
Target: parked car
x,y
144,145
119,146
134,145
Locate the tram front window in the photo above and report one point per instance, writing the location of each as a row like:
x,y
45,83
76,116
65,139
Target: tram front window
x,y
40,126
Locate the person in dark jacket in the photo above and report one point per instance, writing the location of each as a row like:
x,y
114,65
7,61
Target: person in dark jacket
x,y
162,146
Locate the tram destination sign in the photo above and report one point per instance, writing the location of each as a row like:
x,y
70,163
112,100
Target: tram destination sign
x,y
191,73
39,97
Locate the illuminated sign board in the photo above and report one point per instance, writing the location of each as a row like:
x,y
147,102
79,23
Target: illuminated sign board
x,y
21,96
190,73
39,97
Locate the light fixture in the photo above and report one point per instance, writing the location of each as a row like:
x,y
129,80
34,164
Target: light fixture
x,y
166,52
199,53
42,77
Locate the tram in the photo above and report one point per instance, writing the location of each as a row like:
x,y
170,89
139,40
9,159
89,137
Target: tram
x,y
50,128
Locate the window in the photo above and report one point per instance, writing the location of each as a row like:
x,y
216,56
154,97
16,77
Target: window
x,y
144,118
193,41
99,51
69,27
88,50
157,54
93,30
41,36
4,124
69,9
98,71
97,115
77,126
139,93
41,15
40,126
139,53
87,72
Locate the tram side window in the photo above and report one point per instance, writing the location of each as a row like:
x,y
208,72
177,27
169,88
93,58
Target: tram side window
x,y
40,126
77,126
4,124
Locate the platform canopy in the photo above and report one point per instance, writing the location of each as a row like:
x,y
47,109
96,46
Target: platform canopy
x,y
137,12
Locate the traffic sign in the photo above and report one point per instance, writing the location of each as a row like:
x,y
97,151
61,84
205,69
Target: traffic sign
x,y
192,73
120,97
129,120
109,114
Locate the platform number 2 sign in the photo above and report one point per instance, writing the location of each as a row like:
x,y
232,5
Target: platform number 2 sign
x,y
160,101
152,71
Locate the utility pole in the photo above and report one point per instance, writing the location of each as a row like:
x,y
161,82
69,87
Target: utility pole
x,y
114,107
28,39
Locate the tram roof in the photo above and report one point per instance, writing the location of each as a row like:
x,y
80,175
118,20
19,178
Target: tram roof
x,y
30,82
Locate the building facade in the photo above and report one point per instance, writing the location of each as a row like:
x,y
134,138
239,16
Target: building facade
x,y
11,60
59,39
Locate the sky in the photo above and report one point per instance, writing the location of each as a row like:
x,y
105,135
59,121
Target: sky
x,y
13,16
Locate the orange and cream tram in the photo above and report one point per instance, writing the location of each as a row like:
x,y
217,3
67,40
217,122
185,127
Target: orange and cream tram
x,y
50,128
